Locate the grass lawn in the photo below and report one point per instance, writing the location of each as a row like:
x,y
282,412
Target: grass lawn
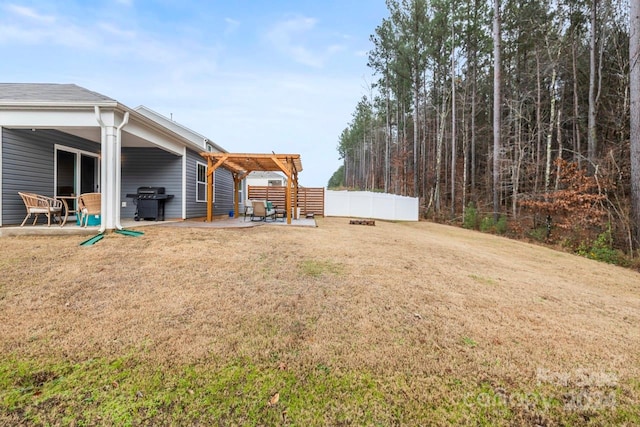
x,y
397,324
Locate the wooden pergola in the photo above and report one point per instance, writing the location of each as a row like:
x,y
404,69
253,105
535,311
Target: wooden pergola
x,y
241,165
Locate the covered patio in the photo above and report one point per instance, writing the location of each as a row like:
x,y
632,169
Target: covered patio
x,y
241,164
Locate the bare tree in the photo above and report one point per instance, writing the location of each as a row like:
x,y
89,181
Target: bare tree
x,y
634,57
552,114
453,119
497,122
592,143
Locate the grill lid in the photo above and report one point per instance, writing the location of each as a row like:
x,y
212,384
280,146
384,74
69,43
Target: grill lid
x,y
150,190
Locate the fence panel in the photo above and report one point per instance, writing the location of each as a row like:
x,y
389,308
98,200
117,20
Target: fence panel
x,y
366,204
310,199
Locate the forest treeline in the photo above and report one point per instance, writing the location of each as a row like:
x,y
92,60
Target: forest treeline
x,y
555,148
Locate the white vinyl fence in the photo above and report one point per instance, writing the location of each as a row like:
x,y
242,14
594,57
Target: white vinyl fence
x,y
365,204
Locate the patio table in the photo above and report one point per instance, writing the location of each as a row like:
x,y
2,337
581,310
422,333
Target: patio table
x,y
65,201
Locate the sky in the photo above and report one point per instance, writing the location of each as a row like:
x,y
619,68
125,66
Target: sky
x,y
252,76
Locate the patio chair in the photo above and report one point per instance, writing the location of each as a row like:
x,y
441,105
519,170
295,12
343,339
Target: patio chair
x,y
248,209
89,204
260,210
37,204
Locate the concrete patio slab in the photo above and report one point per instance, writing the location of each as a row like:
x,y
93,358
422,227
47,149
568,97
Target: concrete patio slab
x,y
71,228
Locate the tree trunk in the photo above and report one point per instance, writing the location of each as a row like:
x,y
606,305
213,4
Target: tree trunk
x,y
560,148
416,102
405,165
439,144
516,162
497,122
577,144
592,144
552,114
397,180
453,128
424,158
538,122
474,89
465,157
634,58
387,144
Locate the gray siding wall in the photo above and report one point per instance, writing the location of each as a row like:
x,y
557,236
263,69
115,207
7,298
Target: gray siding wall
x,y
224,192
28,163
194,209
152,167
223,188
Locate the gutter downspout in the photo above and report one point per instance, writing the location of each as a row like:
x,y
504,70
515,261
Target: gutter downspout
x,y
118,162
103,171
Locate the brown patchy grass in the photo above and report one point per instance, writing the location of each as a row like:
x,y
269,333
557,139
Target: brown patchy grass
x,y
439,317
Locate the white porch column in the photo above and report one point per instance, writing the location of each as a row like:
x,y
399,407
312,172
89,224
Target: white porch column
x,y
108,176
109,183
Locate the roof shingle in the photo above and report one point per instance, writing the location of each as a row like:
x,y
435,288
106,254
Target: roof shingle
x,y
48,92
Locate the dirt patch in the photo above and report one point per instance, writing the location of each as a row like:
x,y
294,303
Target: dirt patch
x,y
397,299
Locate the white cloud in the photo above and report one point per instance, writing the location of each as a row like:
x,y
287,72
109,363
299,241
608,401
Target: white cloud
x,y
116,31
14,33
335,48
289,38
24,25
232,25
105,39
69,36
283,37
29,13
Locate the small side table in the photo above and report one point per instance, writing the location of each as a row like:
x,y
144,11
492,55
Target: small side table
x,y
67,209
280,213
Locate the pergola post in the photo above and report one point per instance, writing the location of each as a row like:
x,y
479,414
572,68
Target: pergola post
x,y
209,190
211,168
236,194
291,210
294,177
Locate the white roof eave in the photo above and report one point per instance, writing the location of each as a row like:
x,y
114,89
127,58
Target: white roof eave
x,y
40,105
53,106
199,136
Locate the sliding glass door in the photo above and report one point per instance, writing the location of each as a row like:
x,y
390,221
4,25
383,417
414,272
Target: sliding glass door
x,y
76,171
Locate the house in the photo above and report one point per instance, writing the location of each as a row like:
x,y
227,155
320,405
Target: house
x,y
61,139
266,179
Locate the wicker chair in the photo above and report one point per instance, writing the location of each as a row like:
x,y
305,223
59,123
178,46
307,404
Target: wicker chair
x,y
37,204
89,204
260,210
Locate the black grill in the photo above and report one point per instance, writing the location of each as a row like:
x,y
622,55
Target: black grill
x,y
149,203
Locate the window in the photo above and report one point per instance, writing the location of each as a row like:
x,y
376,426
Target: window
x,y
201,182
